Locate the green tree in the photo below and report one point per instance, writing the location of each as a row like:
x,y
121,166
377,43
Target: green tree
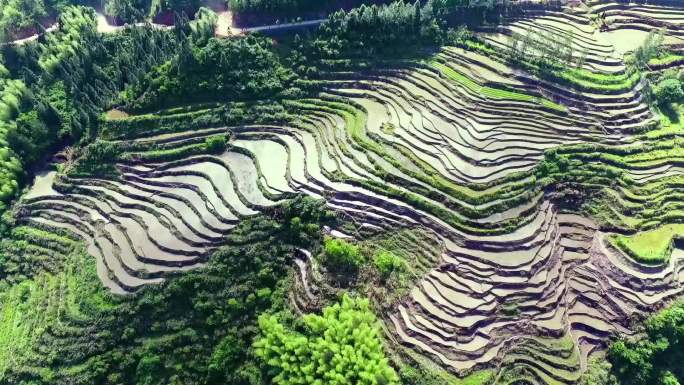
x,y
341,255
655,358
668,379
215,144
598,373
148,370
669,91
29,137
340,347
387,262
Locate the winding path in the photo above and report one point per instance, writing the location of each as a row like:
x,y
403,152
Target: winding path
x,y
284,27
224,27
25,40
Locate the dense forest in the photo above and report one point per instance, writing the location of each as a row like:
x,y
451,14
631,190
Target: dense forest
x,y
279,5
21,18
127,11
17,16
68,78
286,6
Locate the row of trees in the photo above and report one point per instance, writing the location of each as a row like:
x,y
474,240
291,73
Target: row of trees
x,y
375,27
20,18
370,32
398,28
280,6
129,11
544,51
288,7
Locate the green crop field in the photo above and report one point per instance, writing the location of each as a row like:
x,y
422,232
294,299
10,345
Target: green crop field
x,y
652,246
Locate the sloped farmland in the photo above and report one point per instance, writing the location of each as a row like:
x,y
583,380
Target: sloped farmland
x,y
461,145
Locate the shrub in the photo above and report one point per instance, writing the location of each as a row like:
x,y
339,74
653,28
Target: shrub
x,y
510,310
552,164
341,255
669,91
598,373
98,158
100,151
215,144
460,36
387,262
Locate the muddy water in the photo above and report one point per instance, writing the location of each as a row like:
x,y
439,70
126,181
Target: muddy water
x,y
42,185
192,198
246,175
272,159
205,186
221,179
187,232
185,211
624,40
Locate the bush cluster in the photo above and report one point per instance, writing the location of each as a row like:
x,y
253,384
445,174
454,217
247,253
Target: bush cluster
x,y
341,346
654,358
668,91
387,262
340,255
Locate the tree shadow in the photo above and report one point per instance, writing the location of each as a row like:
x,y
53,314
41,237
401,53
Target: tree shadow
x,y
671,112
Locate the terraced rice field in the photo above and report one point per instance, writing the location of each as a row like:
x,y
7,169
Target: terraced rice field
x,y
452,145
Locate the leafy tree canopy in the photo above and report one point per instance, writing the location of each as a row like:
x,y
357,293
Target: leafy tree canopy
x,y
223,69
340,347
654,359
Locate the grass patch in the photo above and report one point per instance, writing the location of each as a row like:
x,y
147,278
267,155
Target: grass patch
x,y
652,246
599,78
115,114
665,60
600,81
430,373
670,122
492,92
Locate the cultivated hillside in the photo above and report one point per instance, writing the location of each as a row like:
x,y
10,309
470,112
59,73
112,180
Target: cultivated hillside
x,y
525,172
